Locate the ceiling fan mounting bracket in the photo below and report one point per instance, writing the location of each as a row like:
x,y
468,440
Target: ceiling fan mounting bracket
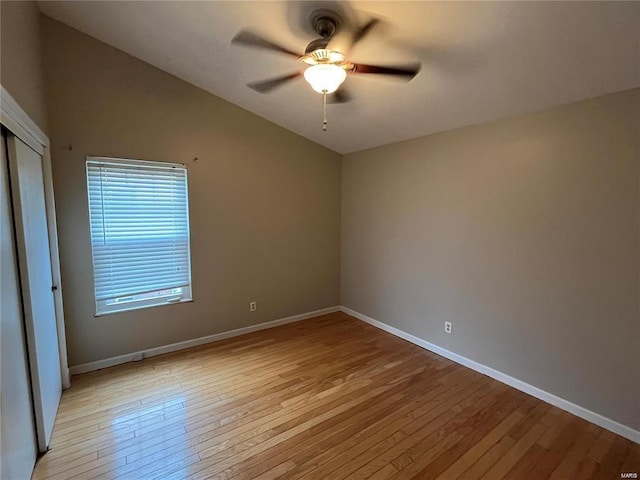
x,y
324,22
325,27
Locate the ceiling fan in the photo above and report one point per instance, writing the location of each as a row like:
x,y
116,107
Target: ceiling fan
x,y
327,66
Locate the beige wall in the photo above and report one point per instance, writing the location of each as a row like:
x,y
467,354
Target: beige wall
x,y
265,203
20,50
525,233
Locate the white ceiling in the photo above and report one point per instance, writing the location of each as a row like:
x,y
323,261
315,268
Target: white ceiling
x,y
481,60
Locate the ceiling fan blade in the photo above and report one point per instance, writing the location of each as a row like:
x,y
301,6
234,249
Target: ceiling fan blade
x,y
361,32
342,95
408,71
345,38
250,39
265,86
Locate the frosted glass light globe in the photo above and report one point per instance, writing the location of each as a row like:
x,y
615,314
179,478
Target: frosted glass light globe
x,y
325,78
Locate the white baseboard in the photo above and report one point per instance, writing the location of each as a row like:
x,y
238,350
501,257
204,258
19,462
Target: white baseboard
x,y
561,403
152,352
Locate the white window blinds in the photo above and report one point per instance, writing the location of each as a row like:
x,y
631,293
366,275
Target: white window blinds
x,y
139,216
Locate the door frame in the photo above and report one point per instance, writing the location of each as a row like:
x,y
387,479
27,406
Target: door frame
x,y
16,120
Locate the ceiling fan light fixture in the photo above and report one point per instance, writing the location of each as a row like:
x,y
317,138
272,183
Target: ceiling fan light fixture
x,y
325,78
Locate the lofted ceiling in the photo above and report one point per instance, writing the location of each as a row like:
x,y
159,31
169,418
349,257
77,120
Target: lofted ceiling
x,y
481,60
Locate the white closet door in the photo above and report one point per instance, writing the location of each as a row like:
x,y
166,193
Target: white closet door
x,y
18,436
27,183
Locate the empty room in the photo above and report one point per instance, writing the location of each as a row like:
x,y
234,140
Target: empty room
x,y
307,240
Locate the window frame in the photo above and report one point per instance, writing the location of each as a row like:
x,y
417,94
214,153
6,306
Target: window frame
x,y
113,306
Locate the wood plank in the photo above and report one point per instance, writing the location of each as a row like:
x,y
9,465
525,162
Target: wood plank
x,y
473,454
513,456
568,467
486,461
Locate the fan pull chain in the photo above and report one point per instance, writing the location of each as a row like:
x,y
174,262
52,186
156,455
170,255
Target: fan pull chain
x,y
324,111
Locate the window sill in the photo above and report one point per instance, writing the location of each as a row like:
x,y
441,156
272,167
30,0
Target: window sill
x,y
142,307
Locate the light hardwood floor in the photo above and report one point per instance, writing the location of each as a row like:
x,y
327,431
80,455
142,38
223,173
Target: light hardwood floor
x,y
329,397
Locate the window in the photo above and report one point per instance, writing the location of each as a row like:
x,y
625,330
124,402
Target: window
x,y
139,217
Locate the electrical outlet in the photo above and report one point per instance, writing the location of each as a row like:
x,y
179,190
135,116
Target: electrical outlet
x,y
447,327
253,306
